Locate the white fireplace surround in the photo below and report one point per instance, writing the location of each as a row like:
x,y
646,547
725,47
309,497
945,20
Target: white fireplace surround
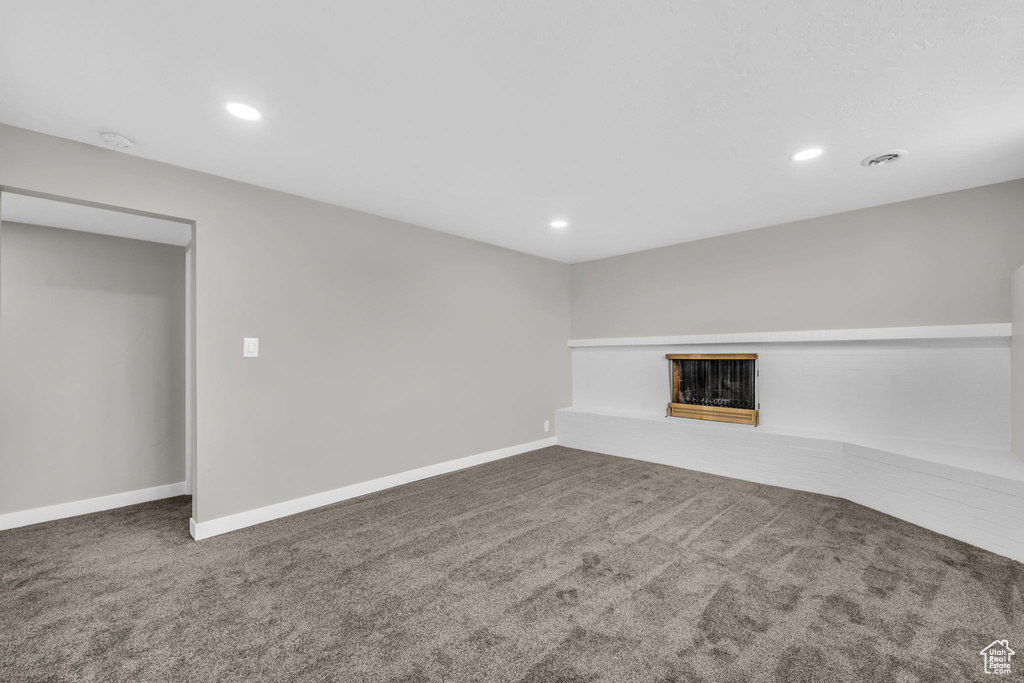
x,y
915,424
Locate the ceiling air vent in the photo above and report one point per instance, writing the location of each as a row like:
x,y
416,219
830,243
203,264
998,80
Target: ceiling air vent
x,y
890,157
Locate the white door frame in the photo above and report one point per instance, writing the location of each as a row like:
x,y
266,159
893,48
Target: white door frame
x,y
190,427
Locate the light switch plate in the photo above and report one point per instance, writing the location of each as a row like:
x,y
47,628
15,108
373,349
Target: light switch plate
x,y
250,347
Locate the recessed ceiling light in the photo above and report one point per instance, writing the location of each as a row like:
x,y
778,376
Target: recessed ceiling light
x,y
243,111
559,224
812,153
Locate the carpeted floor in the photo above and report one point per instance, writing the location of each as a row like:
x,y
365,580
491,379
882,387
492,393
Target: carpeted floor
x,y
552,566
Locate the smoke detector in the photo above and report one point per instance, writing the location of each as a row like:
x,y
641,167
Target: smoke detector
x,y
117,140
890,157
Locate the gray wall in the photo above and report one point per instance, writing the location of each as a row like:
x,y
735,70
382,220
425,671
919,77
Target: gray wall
x,y
940,260
383,346
1017,364
92,366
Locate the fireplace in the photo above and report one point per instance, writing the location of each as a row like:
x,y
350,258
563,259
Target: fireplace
x,y
717,387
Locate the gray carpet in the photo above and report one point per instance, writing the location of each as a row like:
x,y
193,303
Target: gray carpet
x,y
552,566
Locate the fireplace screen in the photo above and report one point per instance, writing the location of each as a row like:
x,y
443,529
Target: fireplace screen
x,y
714,387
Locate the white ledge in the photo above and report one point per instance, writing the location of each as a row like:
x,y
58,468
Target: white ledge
x,y
985,331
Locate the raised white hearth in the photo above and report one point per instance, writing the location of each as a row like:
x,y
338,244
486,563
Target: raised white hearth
x,y
917,427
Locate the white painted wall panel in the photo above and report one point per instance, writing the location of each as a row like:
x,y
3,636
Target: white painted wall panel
x,y
943,391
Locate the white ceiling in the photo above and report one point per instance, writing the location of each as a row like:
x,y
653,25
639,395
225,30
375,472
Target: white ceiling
x,y
642,123
19,208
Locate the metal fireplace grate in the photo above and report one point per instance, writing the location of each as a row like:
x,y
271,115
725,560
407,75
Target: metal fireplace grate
x,y
714,387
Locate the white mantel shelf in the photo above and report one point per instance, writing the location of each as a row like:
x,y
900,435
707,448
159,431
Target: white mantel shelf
x,y
985,331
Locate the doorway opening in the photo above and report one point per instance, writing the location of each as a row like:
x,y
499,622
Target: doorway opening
x,y
97,362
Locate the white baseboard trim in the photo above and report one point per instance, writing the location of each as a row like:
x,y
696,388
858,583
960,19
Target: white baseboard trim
x,y
12,520
223,525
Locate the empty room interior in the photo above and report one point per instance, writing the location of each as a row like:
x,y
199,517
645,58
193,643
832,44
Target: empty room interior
x,y
514,342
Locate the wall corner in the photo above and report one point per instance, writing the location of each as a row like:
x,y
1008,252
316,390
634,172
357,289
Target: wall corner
x,y
1017,363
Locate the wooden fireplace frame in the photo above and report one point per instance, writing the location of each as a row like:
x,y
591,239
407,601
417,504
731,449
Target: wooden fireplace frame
x,y
734,415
